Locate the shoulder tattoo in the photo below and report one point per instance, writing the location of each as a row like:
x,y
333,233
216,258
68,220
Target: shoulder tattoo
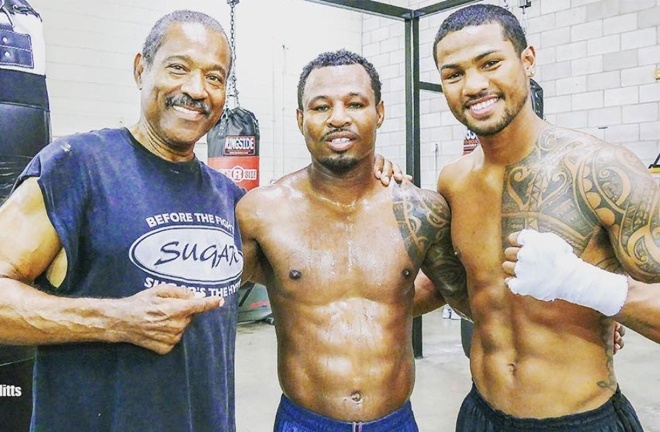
x,y
538,191
425,224
618,188
423,218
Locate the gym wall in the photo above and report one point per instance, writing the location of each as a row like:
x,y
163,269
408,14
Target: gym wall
x,y
596,65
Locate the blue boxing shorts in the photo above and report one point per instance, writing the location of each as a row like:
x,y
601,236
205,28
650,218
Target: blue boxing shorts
x,y
293,418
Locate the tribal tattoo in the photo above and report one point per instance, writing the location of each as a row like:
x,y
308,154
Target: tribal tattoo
x,y
591,194
424,223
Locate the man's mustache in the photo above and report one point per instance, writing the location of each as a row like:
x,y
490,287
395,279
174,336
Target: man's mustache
x,y
187,102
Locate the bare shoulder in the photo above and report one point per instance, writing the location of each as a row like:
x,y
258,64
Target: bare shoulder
x,y
564,142
421,201
265,199
602,184
29,240
455,173
594,161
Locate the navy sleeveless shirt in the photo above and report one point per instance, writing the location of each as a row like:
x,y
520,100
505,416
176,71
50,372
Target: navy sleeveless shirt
x,y
129,220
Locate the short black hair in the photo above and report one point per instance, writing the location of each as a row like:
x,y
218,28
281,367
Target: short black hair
x,y
155,37
339,58
480,14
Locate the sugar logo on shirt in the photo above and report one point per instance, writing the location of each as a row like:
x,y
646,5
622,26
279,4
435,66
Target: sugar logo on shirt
x,y
192,248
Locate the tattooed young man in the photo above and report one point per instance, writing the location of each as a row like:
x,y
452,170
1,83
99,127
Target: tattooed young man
x,y
339,260
541,365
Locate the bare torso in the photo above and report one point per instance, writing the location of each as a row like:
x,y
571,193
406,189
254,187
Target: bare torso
x,y
340,281
531,358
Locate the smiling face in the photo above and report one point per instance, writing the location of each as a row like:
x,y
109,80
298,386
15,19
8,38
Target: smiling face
x,y
183,90
485,82
340,116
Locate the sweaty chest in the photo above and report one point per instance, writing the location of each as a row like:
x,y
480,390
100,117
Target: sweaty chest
x,y
339,253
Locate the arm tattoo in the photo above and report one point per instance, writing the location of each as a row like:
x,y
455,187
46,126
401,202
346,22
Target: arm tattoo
x,y
419,218
424,223
617,186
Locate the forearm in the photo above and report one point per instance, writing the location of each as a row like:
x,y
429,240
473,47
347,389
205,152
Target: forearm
x,y
641,311
427,297
31,317
427,302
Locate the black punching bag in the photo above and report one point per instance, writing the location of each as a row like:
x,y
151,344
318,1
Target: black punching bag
x,y
24,130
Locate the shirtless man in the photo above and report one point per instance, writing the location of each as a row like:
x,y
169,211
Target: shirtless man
x,y
537,365
339,253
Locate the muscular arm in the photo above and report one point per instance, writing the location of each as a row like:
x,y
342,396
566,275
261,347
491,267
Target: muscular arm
x,y
154,319
626,199
247,212
641,311
424,223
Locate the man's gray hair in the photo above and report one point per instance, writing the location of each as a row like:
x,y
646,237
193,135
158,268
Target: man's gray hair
x,y
155,37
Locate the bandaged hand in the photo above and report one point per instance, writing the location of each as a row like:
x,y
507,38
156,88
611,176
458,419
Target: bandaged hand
x,y
545,267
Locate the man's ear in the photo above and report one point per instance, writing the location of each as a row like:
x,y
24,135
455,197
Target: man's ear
x,y
380,109
299,117
528,58
138,69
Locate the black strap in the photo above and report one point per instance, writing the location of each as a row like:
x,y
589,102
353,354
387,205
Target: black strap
x,y
655,164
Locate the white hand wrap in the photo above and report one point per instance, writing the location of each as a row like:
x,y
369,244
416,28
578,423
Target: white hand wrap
x,y
547,269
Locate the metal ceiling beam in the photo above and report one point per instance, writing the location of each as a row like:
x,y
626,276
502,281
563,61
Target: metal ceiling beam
x,y
370,7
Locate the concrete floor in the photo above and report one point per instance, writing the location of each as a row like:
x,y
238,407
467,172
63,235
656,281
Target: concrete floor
x,y
443,377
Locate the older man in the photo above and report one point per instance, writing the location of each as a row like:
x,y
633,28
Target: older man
x,y
117,228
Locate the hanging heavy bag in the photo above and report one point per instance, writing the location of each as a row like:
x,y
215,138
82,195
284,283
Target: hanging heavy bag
x,y
24,130
24,110
236,134
536,95
233,143
233,147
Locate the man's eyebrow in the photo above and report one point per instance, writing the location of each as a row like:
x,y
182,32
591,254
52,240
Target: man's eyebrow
x,y
317,98
477,58
486,54
324,97
183,57
177,57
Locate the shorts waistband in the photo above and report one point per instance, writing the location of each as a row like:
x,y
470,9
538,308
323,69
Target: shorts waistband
x,y
578,421
320,423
